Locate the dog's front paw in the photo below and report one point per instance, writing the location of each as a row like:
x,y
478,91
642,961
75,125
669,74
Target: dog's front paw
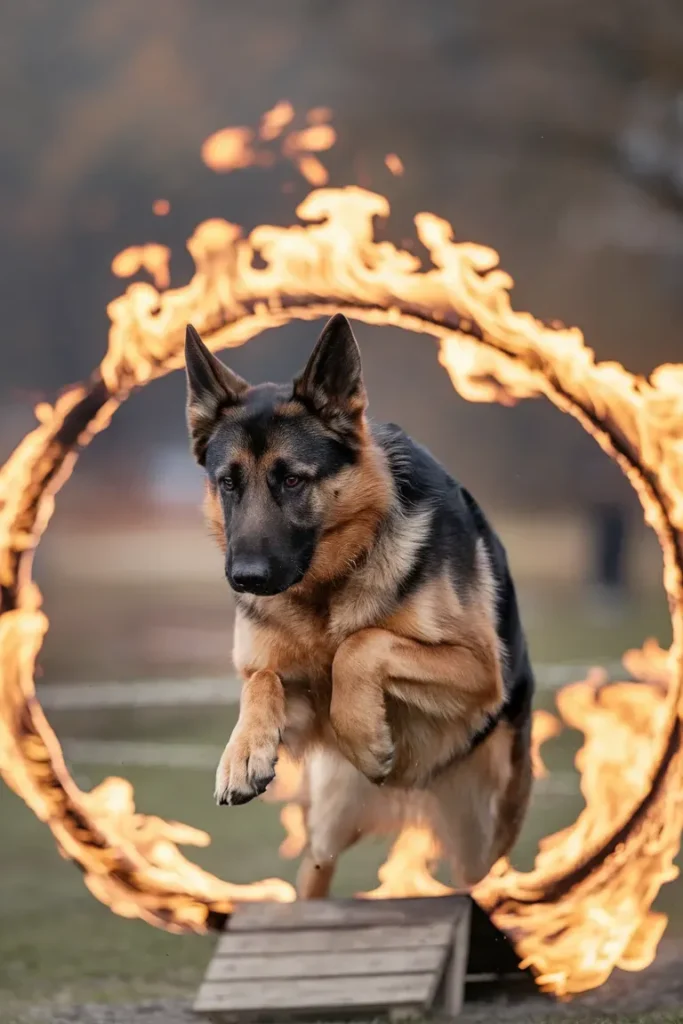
x,y
377,760
372,752
246,767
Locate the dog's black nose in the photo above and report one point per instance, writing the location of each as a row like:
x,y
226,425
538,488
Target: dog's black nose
x,y
251,575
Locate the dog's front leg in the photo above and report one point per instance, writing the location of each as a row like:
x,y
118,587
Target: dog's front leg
x,y
458,683
248,761
357,708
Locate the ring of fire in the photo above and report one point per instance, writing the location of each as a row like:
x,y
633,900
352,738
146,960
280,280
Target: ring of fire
x,y
585,907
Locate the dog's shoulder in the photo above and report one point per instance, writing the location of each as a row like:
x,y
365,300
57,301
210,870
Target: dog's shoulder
x,y
423,486
460,577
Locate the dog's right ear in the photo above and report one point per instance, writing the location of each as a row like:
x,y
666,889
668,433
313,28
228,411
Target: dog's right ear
x,y
211,387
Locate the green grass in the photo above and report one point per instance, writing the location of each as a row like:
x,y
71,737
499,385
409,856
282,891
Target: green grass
x,y
561,628
647,1018
84,641
59,945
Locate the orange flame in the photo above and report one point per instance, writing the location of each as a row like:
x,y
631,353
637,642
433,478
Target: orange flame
x,y
151,257
233,148
407,870
311,140
545,727
273,121
394,164
311,169
229,149
585,906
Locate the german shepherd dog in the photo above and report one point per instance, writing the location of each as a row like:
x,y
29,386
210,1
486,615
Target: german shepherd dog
x,y
377,629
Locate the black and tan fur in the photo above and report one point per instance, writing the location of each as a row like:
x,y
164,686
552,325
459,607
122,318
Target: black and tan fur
x,y
377,629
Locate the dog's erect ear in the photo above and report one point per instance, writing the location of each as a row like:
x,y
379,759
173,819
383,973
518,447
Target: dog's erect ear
x,y
333,380
211,386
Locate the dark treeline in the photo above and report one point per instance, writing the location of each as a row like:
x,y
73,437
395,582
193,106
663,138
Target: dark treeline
x,y
546,130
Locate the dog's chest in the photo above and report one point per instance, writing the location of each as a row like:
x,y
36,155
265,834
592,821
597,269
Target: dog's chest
x,y
309,636
322,631
355,608
300,634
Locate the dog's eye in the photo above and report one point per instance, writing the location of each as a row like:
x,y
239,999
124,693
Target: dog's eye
x,y
227,483
291,481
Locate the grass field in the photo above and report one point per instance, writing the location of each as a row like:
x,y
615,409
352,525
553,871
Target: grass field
x,y
184,630
59,946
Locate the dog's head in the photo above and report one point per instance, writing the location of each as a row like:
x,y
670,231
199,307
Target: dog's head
x,y
278,458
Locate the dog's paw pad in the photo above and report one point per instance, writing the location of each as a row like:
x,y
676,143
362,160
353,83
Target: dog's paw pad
x,y
383,759
262,782
380,772
236,797
245,773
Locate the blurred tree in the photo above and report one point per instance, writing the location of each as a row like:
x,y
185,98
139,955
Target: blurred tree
x,y
519,122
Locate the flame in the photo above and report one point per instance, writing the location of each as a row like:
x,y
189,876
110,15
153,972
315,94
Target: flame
x,y
545,727
273,121
311,169
294,823
229,149
315,139
407,870
586,905
151,257
394,164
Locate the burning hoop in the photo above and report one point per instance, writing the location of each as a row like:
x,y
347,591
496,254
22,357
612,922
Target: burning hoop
x,y
585,907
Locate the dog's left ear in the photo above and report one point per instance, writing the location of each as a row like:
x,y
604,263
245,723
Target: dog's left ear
x,y
333,380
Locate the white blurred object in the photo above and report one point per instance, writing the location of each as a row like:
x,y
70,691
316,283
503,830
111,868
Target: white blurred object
x,y
622,216
174,478
651,142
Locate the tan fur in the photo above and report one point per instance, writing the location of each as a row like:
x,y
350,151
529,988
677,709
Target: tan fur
x,y
249,759
475,809
441,692
396,690
313,879
364,687
355,503
431,615
290,409
213,515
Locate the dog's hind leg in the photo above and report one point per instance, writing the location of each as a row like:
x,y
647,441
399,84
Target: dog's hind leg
x,y
313,880
337,797
480,805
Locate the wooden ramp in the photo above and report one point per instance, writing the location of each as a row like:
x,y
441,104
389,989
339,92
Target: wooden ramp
x,y
346,958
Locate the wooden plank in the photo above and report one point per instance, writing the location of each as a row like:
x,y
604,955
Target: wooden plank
x,y
345,913
334,939
328,994
454,975
327,965
341,957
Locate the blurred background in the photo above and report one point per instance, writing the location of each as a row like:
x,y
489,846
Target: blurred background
x,y
552,132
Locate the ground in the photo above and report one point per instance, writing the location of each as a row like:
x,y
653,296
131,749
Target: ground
x,y
164,1012
66,958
